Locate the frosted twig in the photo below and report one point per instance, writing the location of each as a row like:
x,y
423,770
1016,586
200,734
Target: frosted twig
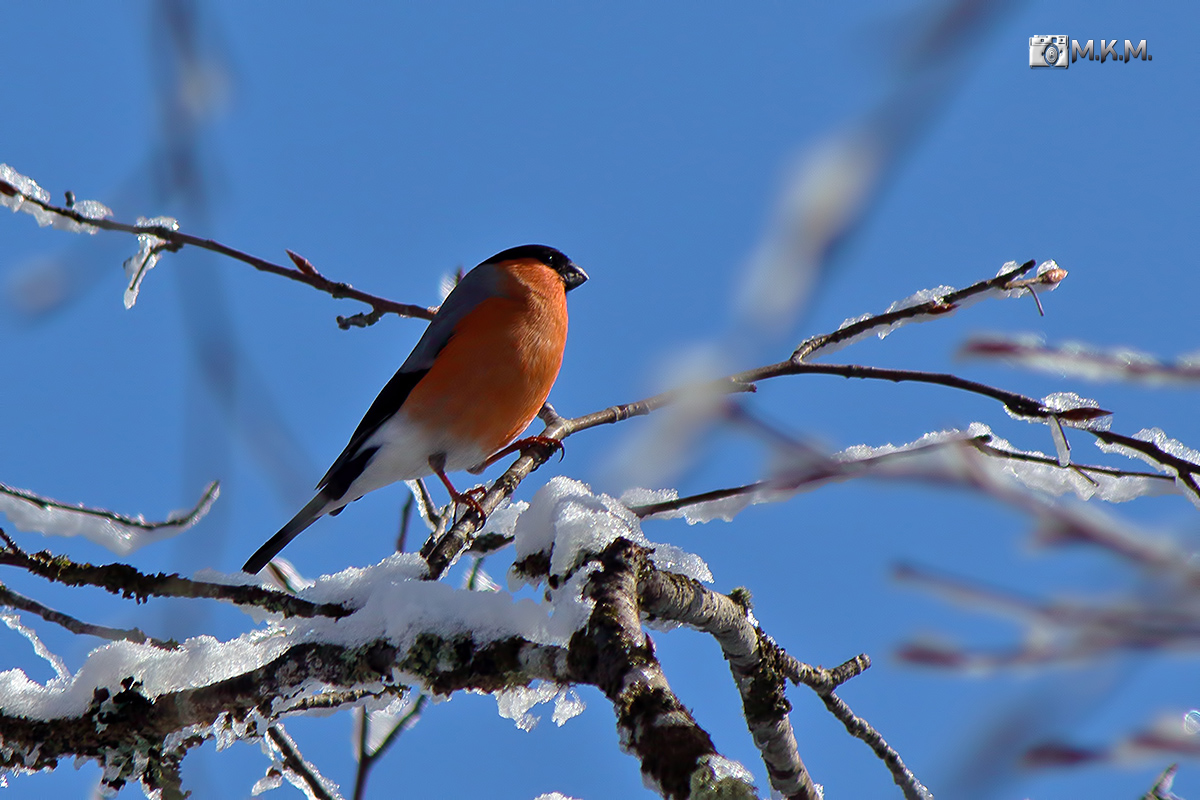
x,y
11,599
1083,361
304,274
317,786
819,472
124,580
1133,625
150,729
36,502
936,307
1164,739
1185,470
367,757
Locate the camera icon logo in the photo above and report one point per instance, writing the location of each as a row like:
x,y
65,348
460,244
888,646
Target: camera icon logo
x,y
1049,51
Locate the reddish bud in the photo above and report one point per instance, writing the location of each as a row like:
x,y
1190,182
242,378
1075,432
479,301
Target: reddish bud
x,y
1052,276
302,263
7,188
1082,414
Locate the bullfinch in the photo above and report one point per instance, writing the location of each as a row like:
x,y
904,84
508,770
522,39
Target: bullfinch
x,y
476,379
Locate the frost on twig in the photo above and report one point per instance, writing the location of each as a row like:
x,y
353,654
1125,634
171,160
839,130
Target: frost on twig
x,y
299,772
1084,361
932,304
924,458
1160,451
150,249
118,533
160,234
1059,630
21,193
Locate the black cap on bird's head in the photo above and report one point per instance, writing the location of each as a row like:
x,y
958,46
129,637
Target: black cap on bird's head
x,y
571,275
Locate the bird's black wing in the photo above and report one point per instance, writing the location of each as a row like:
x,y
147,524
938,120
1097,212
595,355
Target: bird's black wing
x,y
476,286
386,404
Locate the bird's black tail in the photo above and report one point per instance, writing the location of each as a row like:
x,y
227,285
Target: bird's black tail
x,y
306,516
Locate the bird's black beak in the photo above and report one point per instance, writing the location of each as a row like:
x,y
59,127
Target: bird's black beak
x,y
572,276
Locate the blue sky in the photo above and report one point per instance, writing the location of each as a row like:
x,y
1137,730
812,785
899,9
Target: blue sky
x,y
394,143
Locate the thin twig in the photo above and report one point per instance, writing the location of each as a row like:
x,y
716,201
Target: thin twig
x,y
1083,361
405,520
124,580
318,787
178,239
859,728
367,760
20,602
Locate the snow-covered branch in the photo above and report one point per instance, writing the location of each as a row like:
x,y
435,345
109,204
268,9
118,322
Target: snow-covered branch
x,y
118,533
1079,360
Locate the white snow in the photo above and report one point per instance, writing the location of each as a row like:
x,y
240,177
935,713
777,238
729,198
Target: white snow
x,y
91,209
571,523
566,520
1080,360
1159,438
119,534
148,253
13,621
272,780
28,187
514,703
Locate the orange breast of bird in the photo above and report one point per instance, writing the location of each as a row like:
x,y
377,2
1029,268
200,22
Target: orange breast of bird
x,y
492,377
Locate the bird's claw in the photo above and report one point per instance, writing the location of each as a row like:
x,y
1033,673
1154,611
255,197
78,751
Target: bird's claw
x,y
555,445
470,498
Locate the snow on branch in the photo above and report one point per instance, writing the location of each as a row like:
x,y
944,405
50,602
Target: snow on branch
x,y
1160,451
139,708
917,459
118,533
1079,360
1071,630
162,234
386,634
